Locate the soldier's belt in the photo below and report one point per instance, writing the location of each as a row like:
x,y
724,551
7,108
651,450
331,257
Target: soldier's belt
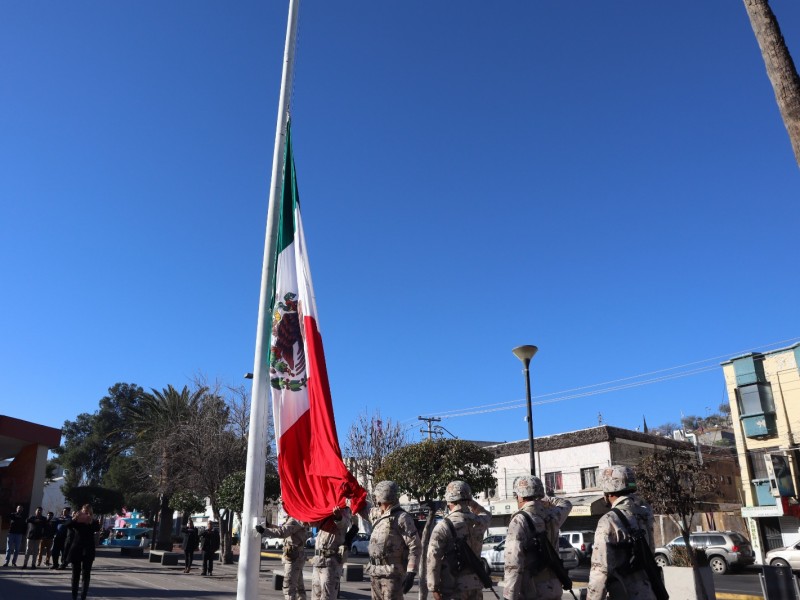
x,y
377,560
326,553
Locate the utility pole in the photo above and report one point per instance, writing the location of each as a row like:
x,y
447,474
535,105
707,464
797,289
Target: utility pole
x,y
430,421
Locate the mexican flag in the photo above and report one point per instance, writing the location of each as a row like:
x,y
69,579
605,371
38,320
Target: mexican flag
x,y
314,479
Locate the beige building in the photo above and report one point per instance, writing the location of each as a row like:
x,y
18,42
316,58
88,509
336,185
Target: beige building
x,y
764,395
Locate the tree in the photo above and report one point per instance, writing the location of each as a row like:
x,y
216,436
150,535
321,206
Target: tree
x,y
423,471
781,70
369,441
93,440
186,502
665,429
160,423
103,500
674,482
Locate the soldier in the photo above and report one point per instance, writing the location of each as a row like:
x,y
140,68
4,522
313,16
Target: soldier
x,y
327,561
609,557
525,575
470,521
295,533
394,546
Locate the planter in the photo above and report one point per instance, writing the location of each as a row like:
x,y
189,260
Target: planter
x,y
681,584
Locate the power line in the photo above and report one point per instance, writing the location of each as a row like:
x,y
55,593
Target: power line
x,y
567,394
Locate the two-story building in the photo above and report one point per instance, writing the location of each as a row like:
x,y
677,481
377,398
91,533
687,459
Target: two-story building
x,y
764,395
569,464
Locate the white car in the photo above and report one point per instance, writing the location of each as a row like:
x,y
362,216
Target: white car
x,y
360,545
491,541
494,559
273,542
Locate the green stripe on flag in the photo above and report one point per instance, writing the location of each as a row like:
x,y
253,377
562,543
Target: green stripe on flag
x,y
289,198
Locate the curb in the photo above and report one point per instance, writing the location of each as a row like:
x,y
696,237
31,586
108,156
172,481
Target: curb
x,y
735,596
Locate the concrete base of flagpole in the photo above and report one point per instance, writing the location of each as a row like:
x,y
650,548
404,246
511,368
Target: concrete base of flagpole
x,y
277,581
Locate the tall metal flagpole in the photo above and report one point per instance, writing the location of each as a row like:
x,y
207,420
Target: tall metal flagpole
x,y
250,552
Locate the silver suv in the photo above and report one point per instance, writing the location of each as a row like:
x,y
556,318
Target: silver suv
x,y
724,550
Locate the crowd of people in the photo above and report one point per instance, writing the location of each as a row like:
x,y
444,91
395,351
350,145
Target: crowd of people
x,y
394,546
68,539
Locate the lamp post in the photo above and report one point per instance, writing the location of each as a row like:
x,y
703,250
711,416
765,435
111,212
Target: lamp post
x,y
525,354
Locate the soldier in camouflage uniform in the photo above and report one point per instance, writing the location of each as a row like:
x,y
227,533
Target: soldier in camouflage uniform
x,y
470,520
394,546
609,557
327,561
295,533
523,577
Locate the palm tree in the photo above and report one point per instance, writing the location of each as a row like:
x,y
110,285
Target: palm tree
x,y
780,67
161,424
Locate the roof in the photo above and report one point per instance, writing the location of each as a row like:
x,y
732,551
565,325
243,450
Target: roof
x,y
16,434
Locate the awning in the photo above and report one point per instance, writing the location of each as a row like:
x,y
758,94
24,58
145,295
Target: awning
x,y
587,506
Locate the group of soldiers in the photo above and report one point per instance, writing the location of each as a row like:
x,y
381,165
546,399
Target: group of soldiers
x,y
395,548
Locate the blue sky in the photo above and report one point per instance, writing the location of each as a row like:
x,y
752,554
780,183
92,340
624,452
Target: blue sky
x,y
609,181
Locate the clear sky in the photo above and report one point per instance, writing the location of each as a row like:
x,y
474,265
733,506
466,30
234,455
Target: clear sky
x,y
610,181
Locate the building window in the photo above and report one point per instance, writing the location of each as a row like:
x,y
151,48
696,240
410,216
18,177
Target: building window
x,y
552,481
758,466
589,477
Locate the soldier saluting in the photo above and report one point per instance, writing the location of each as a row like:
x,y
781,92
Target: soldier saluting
x,y
611,555
394,546
527,573
467,520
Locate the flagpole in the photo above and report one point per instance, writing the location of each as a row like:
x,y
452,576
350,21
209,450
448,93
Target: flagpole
x,y
250,549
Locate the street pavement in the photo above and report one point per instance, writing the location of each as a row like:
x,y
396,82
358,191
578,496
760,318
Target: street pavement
x,y
115,577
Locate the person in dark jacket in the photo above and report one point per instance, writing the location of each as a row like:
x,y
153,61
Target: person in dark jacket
x,y
36,525
81,549
209,542
191,541
59,542
16,532
46,543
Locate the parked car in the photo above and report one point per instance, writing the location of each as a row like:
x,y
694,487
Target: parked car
x,y
725,550
310,542
272,542
492,541
493,559
788,556
360,545
569,555
582,541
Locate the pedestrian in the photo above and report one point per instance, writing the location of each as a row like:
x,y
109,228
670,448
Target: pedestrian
x,y
16,532
394,546
294,534
46,543
80,552
36,523
60,539
191,541
327,562
209,542
467,520
611,556
526,577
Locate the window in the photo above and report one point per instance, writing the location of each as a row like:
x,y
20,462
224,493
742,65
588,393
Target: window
x,y
758,468
589,477
755,399
552,481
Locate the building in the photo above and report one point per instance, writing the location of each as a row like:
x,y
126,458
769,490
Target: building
x,y
569,464
764,395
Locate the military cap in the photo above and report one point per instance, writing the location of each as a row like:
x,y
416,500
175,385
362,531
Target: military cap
x,y
529,486
617,478
387,491
456,491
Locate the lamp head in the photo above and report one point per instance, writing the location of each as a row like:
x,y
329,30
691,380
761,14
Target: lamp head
x,y
525,353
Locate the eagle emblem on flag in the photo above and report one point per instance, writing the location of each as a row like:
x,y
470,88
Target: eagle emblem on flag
x,y
287,361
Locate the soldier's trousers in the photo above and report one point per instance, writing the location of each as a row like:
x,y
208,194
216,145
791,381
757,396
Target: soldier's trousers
x,y
325,578
293,586
549,589
387,588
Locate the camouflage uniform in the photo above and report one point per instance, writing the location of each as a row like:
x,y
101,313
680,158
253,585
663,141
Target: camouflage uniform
x,y
327,561
607,556
471,521
548,514
295,533
394,546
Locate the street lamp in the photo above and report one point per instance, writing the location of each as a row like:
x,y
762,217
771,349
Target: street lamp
x,y
525,354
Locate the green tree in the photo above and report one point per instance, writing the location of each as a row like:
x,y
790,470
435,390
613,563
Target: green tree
x,y
781,70
161,425
231,492
423,471
93,440
103,500
186,502
675,483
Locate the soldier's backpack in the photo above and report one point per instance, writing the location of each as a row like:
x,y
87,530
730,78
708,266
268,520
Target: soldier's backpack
x,y
640,556
465,558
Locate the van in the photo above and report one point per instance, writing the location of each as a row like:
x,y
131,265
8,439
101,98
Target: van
x,y
582,541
